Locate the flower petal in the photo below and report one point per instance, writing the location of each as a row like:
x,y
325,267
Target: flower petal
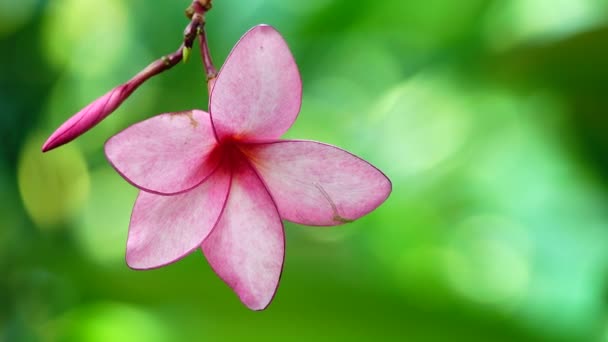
x,y
247,246
258,92
167,154
163,229
318,184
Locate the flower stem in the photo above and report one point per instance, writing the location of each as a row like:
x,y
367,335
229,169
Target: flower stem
x,y
207,61
196,12
195,28
162,64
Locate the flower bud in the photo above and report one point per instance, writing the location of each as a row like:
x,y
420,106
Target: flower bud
x,y
91,115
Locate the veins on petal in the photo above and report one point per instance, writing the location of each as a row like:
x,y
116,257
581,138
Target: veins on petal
x,y
337,217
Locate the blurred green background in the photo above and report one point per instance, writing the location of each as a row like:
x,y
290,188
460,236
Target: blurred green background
x,y
490,117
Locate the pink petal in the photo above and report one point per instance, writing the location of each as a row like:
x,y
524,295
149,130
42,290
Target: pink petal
x,y
167,154
90,115
258,92
247,246
318,184
163,229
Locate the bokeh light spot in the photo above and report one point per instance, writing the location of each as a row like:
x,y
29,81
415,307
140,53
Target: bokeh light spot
x,y
105,218
490,262
511,22
111,321
87,37
418,125
53,185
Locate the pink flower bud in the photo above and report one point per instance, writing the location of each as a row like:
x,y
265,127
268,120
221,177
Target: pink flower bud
x,y
99,109
90,115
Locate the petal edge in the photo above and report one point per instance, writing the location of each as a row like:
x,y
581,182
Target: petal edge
x,y
167,154
317,184
258,92
164,229
247,247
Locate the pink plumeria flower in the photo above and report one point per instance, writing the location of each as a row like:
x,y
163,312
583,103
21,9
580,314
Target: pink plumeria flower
x,y
223,181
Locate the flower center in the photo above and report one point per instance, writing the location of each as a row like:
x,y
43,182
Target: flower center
x,y
230,153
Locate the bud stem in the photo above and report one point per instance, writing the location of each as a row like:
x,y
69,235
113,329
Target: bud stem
x,y
196,27
196,12
99,109
207,61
